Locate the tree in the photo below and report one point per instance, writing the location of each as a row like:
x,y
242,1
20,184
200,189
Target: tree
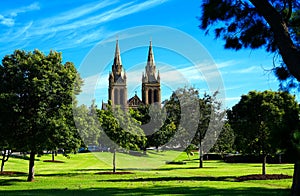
x,y
210,124
225,140
273,24
263,121
198,121
151,118
87,123
255,24
121,130
38,91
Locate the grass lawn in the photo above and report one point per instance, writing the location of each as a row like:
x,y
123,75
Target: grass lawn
x,y
77,176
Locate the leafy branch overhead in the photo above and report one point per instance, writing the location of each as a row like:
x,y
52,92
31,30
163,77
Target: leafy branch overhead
x,y
272,25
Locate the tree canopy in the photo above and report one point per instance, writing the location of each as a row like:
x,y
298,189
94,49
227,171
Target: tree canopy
x,y
264,122
272,24
37,92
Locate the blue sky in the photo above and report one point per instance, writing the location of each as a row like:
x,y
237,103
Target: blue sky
x,y
80,28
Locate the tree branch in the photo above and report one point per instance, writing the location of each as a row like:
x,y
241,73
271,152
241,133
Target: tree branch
x,y
289,52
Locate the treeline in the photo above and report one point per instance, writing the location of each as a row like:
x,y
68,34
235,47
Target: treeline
x,y
39,112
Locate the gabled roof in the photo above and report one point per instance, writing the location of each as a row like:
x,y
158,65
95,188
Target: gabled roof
x,y
135,101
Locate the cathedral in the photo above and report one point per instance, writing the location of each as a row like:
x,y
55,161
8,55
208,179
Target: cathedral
x,y
117,88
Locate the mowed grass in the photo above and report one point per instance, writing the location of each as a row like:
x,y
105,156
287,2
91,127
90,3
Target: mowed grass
x,y
78,176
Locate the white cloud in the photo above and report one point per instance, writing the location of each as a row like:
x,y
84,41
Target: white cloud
x,y
7,21
84,23
78,12
32,7
9,18
248,70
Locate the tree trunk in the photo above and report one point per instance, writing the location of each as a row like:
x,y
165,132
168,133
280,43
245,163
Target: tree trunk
x,y
200,156
53,153
31,167
114,161
296,180
264,156
5,157
287,49
2,162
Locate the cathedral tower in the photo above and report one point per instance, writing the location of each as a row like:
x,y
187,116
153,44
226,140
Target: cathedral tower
x,y
151,93
117,90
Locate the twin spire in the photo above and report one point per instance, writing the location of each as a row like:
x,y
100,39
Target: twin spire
x,y
149,76
117,59
150,69
118,74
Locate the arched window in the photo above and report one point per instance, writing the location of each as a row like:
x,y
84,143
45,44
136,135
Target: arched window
x,y
116,95
155,95
149,96
122,97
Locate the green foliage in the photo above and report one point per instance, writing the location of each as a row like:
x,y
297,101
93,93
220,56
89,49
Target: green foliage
x,y
38,91
241,25
88,124
121,129
263,122
225,140
272,24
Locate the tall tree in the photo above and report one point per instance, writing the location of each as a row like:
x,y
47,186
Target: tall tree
x,y
87,123
121,131
197,120
39,90
157,132
210,124
225,140
263,122
273,24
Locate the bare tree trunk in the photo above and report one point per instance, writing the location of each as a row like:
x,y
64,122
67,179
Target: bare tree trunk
x,y
6,154
200,156
114,161
53,153
3,161
31,167
296,180
264,156
2,164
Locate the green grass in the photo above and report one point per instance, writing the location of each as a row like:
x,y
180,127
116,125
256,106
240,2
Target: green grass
x,y
77,176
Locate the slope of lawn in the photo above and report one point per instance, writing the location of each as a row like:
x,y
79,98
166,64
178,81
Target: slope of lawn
x,y
78,176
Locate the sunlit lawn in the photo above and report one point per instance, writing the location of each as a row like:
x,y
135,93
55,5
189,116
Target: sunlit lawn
x,y
77,176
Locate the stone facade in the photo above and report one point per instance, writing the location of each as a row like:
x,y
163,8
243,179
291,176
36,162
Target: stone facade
x,y
117,90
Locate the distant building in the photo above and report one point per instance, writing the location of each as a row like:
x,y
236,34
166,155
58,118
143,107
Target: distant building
x,y
117,88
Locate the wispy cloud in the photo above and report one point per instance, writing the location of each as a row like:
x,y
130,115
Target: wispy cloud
x,y
248,70
83,25
8,19
31,7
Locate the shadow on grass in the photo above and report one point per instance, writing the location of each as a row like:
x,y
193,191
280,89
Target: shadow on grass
x,y
9,182
175,178
157,190
61,174
144,169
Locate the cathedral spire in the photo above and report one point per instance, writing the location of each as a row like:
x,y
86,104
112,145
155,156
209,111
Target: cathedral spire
x,y
150,61
117,59
150,67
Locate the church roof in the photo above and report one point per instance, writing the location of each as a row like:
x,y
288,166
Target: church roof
x,y
135,102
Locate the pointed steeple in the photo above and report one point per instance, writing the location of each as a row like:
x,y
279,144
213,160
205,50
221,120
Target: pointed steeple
x,y
150,67
150,61
117,59
118,72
